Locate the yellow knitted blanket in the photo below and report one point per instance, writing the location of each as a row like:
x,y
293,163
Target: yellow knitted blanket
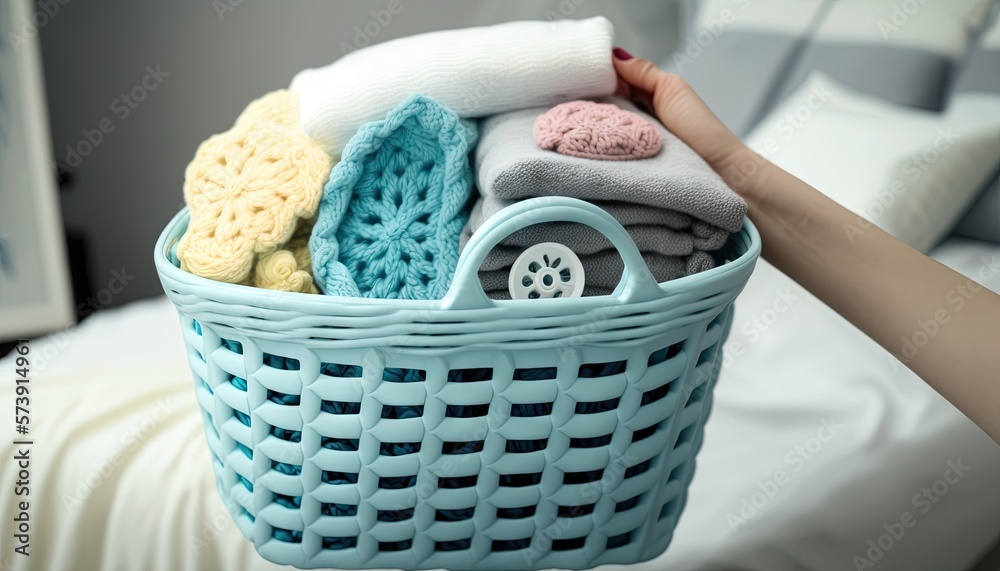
x,y
253,192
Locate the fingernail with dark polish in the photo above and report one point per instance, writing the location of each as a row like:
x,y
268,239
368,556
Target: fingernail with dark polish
x,y
621,54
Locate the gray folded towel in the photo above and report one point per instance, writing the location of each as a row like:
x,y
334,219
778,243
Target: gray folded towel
x,y
504,255
673,205
626,213
509,165
584,240
656,230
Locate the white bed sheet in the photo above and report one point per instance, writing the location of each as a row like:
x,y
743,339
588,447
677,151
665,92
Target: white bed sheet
x,y
121,477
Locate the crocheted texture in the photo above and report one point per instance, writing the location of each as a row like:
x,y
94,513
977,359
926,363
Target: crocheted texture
x,y
280,107
391,213
246,188
596,131
288,269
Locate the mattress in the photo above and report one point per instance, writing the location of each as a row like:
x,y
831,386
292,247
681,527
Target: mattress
x,y
821,449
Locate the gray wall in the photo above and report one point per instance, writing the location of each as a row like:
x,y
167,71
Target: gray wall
x,y
213,62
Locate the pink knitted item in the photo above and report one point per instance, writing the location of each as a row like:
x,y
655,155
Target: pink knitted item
x,y
596,131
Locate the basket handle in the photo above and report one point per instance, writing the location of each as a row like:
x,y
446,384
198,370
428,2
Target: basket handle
x,y
637,283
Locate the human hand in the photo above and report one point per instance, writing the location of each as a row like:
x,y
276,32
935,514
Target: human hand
x,y
681,111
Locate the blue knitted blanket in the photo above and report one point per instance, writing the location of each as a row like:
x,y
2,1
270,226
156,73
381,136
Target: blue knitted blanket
x,y
392,212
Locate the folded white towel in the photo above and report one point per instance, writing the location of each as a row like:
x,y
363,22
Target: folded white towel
x,y
474,71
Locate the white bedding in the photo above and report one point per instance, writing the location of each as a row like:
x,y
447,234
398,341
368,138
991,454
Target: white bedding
x,y
121,479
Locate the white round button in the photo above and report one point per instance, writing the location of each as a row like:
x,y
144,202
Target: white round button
x,y
548,269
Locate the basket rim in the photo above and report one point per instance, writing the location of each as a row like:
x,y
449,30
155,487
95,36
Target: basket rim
x,y
171,233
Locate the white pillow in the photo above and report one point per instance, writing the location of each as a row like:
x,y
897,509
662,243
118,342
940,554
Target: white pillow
x,y
780,16
928,25
911,172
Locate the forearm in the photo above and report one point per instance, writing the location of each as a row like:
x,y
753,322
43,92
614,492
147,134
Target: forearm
x,y
882,286
943,326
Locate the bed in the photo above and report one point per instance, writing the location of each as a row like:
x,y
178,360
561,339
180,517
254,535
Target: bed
x,y
822,451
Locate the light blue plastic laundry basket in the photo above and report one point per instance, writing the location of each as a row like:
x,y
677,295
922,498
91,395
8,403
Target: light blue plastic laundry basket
x,y
463,433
